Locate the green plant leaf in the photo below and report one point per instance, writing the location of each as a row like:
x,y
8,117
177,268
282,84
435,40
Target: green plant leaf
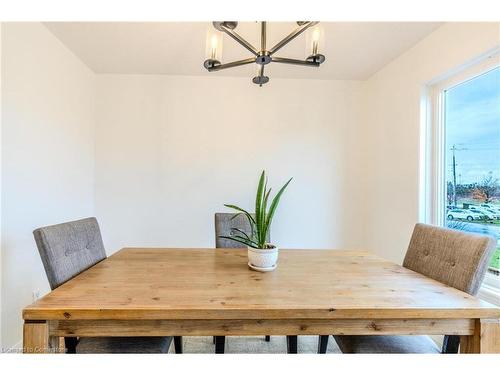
x,y
260,223
274,205
250,222
243,233
241,210
258,205
265,229
266,197
243,241
236,215
250,218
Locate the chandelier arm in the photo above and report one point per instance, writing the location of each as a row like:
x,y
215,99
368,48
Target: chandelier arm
x,y
263,36
292,36
232,64
285,60
240,40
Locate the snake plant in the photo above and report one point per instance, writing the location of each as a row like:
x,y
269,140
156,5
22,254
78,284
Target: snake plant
x,y
260,223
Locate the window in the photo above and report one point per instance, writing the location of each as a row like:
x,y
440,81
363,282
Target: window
x,y
472,155
462,165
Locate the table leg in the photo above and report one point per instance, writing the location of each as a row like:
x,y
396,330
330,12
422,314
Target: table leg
x,y
486,338
36,337
490,336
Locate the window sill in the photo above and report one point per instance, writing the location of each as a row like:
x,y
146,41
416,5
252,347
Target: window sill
x,y
490,290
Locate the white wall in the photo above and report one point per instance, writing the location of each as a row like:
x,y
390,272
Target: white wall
x,y
1,74
392,125
47,156
171,151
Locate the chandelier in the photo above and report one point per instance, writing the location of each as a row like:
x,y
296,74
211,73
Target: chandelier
x,y
263,55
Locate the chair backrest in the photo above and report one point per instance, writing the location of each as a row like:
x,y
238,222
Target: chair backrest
x,y
224,224
68,249
453,257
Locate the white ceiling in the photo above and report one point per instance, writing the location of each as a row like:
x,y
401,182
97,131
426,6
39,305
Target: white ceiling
x,y
354,50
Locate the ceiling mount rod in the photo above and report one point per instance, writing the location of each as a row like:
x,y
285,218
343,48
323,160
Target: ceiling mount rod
x,y
292,36
231,64
260,79
284,60
239,39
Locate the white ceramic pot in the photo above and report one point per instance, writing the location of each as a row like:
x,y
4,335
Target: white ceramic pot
x,y
263,259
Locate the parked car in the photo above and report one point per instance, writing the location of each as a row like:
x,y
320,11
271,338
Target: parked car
x,y
484,214
474,206
494,215
489,206
495,209
486,205
463,215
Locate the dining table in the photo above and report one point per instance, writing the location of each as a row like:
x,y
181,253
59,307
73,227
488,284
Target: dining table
x,y
213,292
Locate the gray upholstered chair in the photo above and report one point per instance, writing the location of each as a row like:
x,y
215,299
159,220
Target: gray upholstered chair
x,y
452,257
70,248
224,226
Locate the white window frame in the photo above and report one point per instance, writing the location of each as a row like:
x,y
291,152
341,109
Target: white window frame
x,y
432,150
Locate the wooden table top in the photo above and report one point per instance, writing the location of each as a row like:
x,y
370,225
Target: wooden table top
x,y
150,283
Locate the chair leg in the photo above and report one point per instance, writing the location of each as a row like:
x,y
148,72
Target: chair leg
x,y
291,344
220,343
213,340
322,344
268,338
70,344
450,344
178,344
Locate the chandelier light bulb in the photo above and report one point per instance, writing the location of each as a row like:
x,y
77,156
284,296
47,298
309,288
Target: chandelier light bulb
x,y
316,34
213,49
315,44
213,43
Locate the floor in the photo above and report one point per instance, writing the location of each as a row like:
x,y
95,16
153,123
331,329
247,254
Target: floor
x,y
254,345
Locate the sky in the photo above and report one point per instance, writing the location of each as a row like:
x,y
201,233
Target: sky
x,y
472,123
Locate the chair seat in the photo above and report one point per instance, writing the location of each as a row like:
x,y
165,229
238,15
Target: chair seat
x,y
126,345
387,344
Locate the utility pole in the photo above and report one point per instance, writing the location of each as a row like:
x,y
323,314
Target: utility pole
x,y
454,166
